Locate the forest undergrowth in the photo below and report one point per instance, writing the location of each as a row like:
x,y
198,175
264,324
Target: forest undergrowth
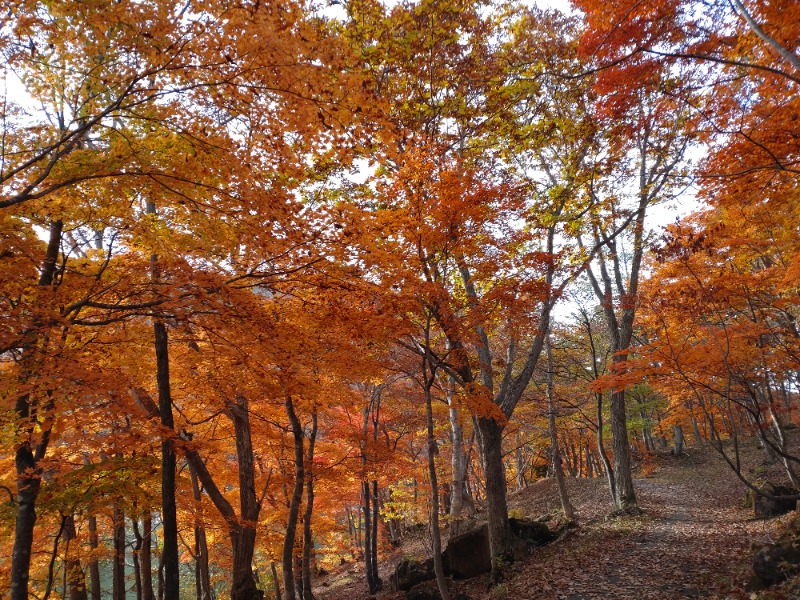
x,y
693,540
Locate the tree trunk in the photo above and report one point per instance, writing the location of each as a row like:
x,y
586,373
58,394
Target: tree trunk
x,y
275,581
374,545
298,570
308,542
143,560
137,551
779,433
458,461
201,573
28,454
438,567
490,438
118,561
566,505
601,449
146,557
94,564
72,564
241,529
698,437
626,496
244,538
294,505
370,504
372,584
677,432
519,455
169,512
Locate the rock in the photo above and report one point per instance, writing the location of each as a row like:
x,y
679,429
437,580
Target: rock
x,y
765,508
424,591
533,532
467,555
409,573
775,562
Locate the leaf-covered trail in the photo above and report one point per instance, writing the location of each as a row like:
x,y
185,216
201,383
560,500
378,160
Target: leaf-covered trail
x,y
692,541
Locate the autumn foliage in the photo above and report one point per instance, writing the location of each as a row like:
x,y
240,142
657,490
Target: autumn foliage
x,y
277,279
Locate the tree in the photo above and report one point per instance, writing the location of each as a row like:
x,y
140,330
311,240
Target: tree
x,y
483,284
128,95
742,116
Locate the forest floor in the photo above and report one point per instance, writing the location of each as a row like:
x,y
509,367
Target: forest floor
x,y
693,540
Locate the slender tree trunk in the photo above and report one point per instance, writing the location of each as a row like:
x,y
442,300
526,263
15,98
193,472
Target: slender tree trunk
x,y
53,556
294,505
137,551
779,433
438,567
169,517
589,462
118,562
366,497
519,455
29,453
298,569
169,512
244,538
146,557
142,557
458,461
275,581
308,541
72,564
94,564
370,504
374,546
355,538
698,437
202,576
566,505
601,450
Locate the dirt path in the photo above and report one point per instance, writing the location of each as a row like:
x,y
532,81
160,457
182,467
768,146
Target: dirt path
x,y
692,541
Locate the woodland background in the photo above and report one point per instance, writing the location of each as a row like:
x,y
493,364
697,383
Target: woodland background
x,y
280,279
